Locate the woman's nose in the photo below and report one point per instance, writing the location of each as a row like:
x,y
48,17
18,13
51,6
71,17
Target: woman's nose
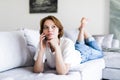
x,y
50,29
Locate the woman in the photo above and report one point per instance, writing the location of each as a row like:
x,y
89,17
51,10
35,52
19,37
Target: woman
x,y
59,52
86,44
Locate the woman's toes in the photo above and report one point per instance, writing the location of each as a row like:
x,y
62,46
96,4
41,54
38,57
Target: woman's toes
x,y
83,20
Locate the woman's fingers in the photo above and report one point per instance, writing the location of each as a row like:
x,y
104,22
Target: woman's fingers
x,y
42,36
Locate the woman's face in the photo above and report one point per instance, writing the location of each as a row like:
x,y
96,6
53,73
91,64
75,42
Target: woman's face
x,y
50,29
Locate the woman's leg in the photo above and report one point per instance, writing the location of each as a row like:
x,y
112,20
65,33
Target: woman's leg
x,y
81,32
90,41
90,50
80,44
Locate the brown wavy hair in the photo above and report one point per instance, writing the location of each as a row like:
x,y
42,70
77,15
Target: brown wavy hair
x,y
56,22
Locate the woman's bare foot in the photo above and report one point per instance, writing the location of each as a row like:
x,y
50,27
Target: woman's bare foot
x,y
81,29
83,20
83,23
83,34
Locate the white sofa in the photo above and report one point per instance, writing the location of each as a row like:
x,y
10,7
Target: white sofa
x,y
111,50
17,49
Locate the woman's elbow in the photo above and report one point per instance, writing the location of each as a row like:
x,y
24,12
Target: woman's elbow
x,y
35,70
62,72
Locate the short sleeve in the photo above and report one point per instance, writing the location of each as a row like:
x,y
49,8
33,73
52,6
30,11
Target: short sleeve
x,y
70,55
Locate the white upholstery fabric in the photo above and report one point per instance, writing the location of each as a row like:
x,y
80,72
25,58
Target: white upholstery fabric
x,y
13,50
105,41
71,34
112,59
99,40
32,38
111,74
26,73
115,43
14,53
91,70
93,67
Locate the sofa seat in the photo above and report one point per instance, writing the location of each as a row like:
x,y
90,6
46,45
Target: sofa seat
x,y
112,59
111,74
91,70
112,66
26,73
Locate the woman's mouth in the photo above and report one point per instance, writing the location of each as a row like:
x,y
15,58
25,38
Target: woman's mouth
x,y
49,36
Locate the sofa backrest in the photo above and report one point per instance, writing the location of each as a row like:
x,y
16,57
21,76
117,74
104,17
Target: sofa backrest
x,y
13,50
17,48
104,41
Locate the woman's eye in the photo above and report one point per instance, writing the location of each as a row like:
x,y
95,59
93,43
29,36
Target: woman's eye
x,y
45,27
53,27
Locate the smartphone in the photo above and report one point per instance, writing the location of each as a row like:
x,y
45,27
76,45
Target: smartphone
x,y
45,38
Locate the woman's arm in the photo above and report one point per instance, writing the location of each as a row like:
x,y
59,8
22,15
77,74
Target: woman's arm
x,y
61,67
39,65
68,58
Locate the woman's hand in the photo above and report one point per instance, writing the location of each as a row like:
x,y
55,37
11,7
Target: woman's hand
x,y
61,67
53,43
39,65
42,42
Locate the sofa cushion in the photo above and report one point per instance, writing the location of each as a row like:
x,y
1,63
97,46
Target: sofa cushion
x,y
99,40
112,59
90,70
105,41
13,50
71,34
115,43
26,73
32,38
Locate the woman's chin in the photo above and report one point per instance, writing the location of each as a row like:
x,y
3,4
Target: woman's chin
x,y
50,38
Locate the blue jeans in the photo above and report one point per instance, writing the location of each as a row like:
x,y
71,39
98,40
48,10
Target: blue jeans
x,y
89,49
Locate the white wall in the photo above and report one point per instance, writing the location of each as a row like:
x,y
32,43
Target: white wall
x,y
15,14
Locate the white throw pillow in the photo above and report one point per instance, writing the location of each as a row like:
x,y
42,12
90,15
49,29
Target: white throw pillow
x,y
107,41
32,38
99,40
13,50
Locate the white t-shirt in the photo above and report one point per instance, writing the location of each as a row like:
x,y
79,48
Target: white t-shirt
x,y
69,54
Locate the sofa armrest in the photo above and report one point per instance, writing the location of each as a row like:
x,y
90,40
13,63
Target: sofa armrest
x,y
91,70
98,63
94,69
